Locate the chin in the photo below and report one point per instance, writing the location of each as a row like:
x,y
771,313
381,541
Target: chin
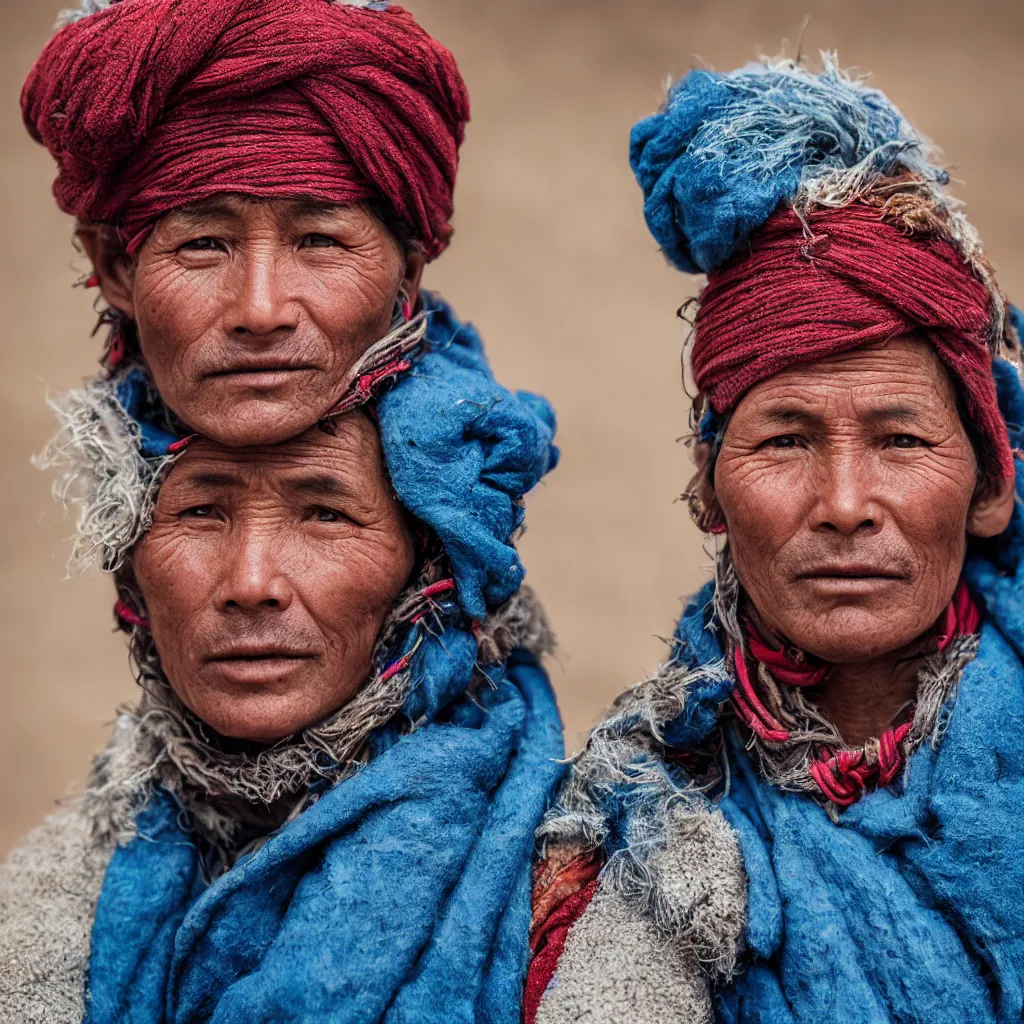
x,y
262,720
243,418
850,635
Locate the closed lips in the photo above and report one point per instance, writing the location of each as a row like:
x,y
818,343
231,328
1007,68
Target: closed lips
x,y
850,572
254,368
261,654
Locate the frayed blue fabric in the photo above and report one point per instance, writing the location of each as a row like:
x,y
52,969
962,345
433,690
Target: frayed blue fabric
x,y
403,893
142,403
909,909
726,149
463,466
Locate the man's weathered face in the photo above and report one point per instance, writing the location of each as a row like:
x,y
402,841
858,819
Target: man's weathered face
x,y
250,314
848,487
268,573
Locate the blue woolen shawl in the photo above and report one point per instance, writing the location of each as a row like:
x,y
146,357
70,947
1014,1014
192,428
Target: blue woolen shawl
x,y
403,893
909,909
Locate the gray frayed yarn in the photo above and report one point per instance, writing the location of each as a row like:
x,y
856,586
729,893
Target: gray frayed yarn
x,y
626,747
786,764
680,866
85,8
652,954
694,887
101,470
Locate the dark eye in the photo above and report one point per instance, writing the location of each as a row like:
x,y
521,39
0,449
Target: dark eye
x,y
908,441
199,512
316,241
782,441
204,244
328,515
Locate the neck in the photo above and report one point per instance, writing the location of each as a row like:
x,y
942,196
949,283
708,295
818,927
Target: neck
x,y
864,700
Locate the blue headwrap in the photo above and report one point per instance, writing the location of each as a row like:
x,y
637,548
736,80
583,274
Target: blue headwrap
x,y
716,161
402,894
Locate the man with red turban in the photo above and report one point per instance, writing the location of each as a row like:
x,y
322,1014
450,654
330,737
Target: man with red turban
x,y
811,811
258,184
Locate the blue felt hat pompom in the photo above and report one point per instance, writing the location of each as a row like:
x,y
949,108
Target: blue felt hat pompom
x,y
726,149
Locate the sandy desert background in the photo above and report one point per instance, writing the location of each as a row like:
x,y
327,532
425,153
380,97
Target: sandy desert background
x,y
551,260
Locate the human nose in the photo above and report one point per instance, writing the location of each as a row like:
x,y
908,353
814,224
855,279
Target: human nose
x,y
254,578
847,498
261,306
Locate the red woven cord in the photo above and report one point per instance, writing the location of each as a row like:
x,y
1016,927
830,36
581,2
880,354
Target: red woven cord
x,y
843,775
150,106
859,280
749,706
792,672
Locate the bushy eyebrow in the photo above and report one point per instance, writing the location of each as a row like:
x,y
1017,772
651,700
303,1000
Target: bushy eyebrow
x,y
320,485
207,209
210,478
789,415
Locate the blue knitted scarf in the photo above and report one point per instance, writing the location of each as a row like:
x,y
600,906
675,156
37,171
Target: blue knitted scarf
x,y
402,893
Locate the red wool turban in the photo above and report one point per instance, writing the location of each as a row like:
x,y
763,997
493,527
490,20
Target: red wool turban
x,y
149,105
796,295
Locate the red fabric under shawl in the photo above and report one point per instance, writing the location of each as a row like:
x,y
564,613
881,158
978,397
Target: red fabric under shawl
x,y
848,279
149,105
548,942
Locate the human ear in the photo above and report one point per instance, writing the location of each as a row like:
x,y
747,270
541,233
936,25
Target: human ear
x,y
991,509
413,272
704,507
112,265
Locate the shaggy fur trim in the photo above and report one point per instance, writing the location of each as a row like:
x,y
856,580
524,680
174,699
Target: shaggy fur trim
x,y
49,888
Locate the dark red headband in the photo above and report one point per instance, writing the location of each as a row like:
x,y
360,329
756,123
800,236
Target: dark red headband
x,y
152,104
837,280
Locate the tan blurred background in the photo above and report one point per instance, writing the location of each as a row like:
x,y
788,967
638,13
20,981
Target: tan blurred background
x,y
551,260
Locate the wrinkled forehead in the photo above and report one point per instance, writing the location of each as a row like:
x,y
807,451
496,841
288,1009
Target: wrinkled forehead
x,y
901,376
343,458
